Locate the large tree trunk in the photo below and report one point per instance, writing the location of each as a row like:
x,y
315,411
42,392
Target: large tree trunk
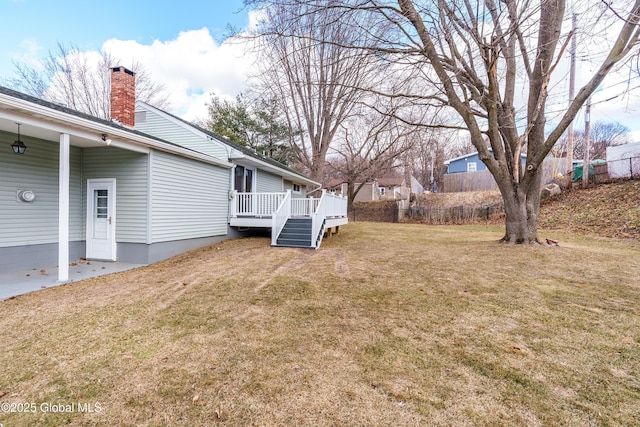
x,y
521,219
521,205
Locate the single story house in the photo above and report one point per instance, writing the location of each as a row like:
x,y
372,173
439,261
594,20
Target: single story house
x,y
139,188
471,163
385,188
394,188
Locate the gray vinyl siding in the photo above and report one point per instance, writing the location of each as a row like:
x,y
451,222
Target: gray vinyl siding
x,y
130,171
36,222
288,185
163,128
268,183
190,199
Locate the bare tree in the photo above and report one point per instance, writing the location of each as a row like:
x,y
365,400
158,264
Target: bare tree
x,y
476,58
81,81
602,135
305,66
369,146
428,153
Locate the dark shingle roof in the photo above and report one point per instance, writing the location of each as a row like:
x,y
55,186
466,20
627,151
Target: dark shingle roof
x,y
53,106
61,108
392,181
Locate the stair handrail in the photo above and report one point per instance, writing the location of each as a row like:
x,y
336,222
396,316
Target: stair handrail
x,y
280,217
329,206
317,220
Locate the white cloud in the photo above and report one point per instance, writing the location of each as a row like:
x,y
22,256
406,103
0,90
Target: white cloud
x,y
29,54
191,66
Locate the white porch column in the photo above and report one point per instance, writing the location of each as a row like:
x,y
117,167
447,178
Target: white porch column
x,y
63,209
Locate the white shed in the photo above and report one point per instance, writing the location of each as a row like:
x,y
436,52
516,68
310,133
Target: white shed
x,y
624,160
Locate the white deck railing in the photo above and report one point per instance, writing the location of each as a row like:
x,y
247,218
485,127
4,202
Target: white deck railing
x,y
281,206
334,206
329,206
256,204
280,217
304,207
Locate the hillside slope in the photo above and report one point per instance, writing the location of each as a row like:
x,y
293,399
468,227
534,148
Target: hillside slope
x,y
609,210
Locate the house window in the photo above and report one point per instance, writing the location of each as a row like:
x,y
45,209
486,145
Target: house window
x,y
471,167
296,188
381,190
243,180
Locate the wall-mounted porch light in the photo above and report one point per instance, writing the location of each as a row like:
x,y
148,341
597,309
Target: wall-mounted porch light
x,y
18,146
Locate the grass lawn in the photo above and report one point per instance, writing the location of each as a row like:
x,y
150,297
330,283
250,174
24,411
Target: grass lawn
x,y
386,324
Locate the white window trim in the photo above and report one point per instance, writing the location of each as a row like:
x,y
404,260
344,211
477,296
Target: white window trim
x,y
472,167
254,183
293,188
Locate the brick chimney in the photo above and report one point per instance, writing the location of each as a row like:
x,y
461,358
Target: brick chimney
x,y
123,96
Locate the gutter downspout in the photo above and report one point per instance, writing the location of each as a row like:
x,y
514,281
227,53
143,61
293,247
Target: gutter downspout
x,y
314,190
232,199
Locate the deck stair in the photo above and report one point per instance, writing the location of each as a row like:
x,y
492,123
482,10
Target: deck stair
x,y
294,222
296,233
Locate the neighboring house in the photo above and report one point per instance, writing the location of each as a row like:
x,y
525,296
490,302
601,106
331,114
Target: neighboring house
x,y
469,173
366,193
386,188
395,188
391,188
471,163
136,192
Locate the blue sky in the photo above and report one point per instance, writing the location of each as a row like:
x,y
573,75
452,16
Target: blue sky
x,y
88,24
141,30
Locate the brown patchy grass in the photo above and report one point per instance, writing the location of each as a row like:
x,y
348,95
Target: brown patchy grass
x,y
466,198
611,210
386,324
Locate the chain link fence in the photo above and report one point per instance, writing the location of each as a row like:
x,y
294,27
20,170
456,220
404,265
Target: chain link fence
x,y
628,167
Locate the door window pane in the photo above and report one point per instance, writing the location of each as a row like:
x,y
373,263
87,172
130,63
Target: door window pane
x,y
239,179
248,183
101,198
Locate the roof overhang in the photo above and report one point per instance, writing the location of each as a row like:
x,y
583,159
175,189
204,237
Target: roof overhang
x,y
235,155
244,160
39,121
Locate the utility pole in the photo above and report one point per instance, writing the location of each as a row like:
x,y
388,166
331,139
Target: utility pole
x,y
572,88
587,145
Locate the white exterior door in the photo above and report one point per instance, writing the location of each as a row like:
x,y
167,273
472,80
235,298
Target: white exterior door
x,y
101,219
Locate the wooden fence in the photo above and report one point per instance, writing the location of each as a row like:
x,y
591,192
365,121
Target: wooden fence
x,y
392,212
483,180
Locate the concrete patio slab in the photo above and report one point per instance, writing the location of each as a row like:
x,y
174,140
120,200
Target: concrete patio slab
x,y
19,282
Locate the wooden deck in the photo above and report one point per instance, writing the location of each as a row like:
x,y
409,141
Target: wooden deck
x,y
275,210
